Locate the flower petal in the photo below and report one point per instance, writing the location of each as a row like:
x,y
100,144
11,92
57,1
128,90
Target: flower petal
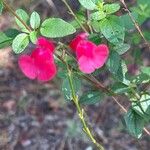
x,y
46,71
101,54
74,43
86,65
26,64
45,44
41,55
85,48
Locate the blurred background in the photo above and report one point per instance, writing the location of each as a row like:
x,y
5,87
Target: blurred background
x,y
35,116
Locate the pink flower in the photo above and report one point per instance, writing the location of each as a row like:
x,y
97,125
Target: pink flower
x,y
40,64
90,56
77,39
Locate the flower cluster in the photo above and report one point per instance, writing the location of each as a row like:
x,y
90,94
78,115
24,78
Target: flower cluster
x,y
90,56
40,63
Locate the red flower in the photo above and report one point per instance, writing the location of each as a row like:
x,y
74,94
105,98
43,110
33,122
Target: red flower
x,y
90,56
40,64
77,39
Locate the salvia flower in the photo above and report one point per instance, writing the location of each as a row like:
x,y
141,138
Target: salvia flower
x,y
90,56
40,63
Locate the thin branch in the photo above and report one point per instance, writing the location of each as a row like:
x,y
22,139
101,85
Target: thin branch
x,y
73,14
135,23
8,7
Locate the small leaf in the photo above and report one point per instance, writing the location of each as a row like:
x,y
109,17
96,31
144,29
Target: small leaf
x,y
1,6
120,88
56,27
114,62
66,87
112,29
35,20
99,15
134,123
111,8
142,106
7,37
20,43
122,48
24,16
91,97
33,36
117,67
88,4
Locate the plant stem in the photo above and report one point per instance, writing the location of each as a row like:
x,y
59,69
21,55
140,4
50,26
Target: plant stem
x,y
73,14
100,86
13,12
81,112
135,23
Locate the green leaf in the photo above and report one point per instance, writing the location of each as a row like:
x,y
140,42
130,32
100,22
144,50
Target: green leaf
x,y
99,15
35,20
95,38
20,43
114,62
117,67
7,37
111,8
141,78
81,17
122,48
91,97
134,123
56,27
146,70
1,6
88,4
120,88
33,36
24,16
66,87
112,29
126,20
142,106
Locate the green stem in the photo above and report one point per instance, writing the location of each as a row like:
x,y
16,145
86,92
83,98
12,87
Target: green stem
x,y
73,14
81,112
13,12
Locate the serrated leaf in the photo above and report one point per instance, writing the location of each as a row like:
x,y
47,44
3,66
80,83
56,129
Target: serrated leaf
x,y
91,97
35,20
99,15
134,123
111,8
56,27
24,16
7,37
142,106
117,67
88,4
122,48
112,29
66,87
114,62
20,43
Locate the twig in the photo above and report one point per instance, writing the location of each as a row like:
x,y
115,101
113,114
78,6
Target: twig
x,y
81,112
73,14
135,23
6,5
